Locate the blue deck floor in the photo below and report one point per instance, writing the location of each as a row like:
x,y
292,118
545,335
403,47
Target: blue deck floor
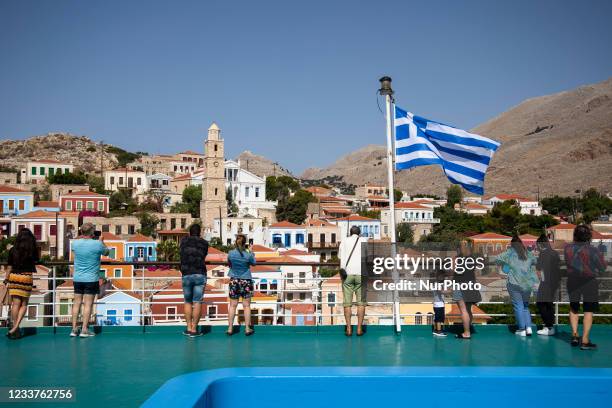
x,y
123,366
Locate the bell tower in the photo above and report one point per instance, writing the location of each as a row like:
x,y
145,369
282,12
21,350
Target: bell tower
x,y
213,183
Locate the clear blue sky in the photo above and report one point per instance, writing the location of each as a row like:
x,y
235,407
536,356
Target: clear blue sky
x,y
294,81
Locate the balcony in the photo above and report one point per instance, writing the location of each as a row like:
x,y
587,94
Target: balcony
x,y
419,220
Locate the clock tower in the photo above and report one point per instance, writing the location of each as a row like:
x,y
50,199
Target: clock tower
x,y
213,183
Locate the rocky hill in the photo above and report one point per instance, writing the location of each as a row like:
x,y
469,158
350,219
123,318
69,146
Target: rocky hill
x,y
556,144
260,165
80,151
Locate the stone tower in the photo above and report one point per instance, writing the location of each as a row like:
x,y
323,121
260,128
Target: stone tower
x,y
213,183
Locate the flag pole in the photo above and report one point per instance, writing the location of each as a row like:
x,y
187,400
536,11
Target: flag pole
x,y
387,92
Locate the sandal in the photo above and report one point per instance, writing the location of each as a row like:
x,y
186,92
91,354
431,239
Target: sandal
x,y
249,332
575,341
462,337
347,332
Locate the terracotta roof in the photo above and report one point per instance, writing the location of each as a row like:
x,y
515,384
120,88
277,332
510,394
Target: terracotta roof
x,y
140,238
412,205
261,248
107,236
86,193
475,206
264,268
159,273
182,177
215,251
490,235
284,259
294,252
528,237
355,217
562,226
318,223
599,235
191,152
455,311
7,189
378,198
38,214
300,307
285,224
48,204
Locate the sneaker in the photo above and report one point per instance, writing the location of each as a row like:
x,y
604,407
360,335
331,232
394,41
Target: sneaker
x,y
546,331
439,333
588,346
87,334
186,333
195,334
529,331
522,333
575,341
74,333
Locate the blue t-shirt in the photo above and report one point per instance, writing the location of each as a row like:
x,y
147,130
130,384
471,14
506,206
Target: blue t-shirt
x,y
87,253
240,264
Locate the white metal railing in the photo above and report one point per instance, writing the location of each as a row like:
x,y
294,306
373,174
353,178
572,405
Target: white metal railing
x,y
321,310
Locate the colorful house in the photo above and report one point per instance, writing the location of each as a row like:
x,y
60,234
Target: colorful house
x,y
286,234
14,201
121,274
490,243
48,228
85,201
370,227
119,308
140,248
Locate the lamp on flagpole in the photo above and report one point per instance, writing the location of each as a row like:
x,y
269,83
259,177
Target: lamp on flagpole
x,y
386,91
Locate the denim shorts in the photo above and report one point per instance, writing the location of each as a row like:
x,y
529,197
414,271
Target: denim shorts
x,y
193,287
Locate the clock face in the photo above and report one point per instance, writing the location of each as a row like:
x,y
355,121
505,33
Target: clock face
x,y
216,164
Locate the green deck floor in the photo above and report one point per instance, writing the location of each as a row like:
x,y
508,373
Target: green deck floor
x,y
123,366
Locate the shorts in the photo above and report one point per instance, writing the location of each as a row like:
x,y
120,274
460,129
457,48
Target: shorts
x,y
240,288
438,314
86,288
585,290
193,287
457,295
352,285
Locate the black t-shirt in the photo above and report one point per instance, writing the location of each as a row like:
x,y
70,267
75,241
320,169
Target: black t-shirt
x,y
193,254
25,266
549,263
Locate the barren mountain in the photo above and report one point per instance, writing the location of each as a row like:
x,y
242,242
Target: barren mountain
x,y
79,151
260,165
556,144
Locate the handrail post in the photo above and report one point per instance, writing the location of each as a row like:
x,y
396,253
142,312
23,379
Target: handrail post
x,y
53,299
142,306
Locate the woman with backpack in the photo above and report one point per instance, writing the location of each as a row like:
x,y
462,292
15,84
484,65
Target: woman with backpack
x,y
584,264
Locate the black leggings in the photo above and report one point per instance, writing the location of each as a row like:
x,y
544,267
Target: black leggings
x,y
547,311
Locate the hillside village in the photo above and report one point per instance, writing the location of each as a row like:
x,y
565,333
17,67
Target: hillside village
x,y
144,207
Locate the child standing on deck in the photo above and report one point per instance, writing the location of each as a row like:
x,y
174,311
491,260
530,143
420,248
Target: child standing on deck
x,y
438,308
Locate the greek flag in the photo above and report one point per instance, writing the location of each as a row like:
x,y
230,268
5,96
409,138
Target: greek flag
x,y
464,156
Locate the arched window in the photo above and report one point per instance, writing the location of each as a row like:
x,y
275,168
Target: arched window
x,y
418,318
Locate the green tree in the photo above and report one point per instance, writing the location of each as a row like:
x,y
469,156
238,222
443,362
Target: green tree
x,y
121,203
192,195
67,178
454,195
96,183
278,187
232,207
123,157
42,193
148,223
405,234
397,195
5,244
168,250
293,209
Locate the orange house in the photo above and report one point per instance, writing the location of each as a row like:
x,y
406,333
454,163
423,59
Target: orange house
x,y
122,273
490,243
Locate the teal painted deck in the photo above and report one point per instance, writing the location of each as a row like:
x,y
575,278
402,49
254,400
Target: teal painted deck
x,y
123,366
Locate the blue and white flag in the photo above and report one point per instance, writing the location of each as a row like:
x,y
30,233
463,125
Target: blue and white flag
x,y
464,156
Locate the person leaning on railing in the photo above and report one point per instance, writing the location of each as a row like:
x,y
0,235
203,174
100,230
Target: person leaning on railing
x,y
193,268
22,260
87,250
350,261
548,269
241,285
584,264
520,266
